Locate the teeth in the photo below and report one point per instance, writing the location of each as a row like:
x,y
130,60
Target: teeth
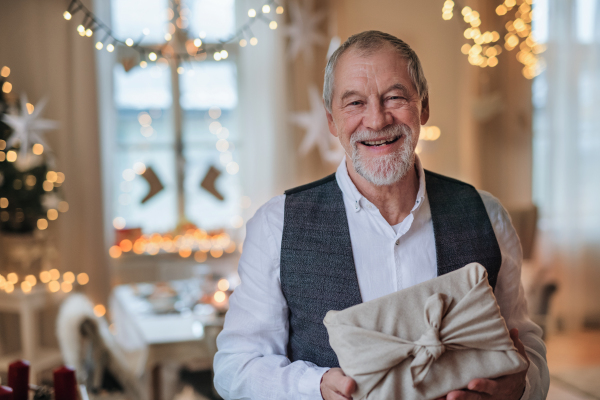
x,y
375,142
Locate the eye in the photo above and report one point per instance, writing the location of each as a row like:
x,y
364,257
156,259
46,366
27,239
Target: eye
x,y
354,103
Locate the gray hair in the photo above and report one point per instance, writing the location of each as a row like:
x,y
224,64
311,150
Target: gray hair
x,y
367,42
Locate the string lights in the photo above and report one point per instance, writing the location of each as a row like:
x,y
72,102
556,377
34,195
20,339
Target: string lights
x,y
195,48
427,134
6,86
485,48
50,278
195,241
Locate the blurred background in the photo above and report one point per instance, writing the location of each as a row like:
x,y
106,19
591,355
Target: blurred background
x,y
137,137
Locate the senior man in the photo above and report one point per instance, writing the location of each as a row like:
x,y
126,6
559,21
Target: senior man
x,y
380,224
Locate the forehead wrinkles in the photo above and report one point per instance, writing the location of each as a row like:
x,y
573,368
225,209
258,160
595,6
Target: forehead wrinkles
x,y
367,75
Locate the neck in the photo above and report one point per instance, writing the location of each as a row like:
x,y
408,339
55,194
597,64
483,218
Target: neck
x,y
394,201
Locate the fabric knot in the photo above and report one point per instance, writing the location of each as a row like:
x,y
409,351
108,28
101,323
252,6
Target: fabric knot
x,y
429,347
430,342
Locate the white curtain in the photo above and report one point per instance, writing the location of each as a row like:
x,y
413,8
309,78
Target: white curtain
x,y
567,154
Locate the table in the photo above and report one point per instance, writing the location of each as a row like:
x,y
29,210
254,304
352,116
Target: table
x,y
27,306
186,335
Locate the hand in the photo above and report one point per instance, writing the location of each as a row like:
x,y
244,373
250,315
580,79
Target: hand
x,y
335,385
509,387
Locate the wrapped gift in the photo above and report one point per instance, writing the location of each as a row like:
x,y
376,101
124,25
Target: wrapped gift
x,y
425,341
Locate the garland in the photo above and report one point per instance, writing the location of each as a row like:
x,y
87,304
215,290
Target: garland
x,y
195,49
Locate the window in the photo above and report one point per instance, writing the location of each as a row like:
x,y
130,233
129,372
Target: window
x,y
174,118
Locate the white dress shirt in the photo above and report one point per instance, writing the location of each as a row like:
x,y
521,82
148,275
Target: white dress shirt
x,y
251,362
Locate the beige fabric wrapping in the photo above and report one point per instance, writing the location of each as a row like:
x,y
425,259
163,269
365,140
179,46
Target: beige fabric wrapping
x,y
424,341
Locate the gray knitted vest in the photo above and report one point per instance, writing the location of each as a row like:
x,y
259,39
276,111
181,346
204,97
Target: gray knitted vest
x,y
317,265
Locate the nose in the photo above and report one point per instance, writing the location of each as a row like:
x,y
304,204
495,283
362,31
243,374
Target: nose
x,y
376,117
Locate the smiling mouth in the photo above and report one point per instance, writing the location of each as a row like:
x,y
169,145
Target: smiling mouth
x,y
377,143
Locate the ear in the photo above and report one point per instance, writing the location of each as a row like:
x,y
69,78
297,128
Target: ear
x,y
425,110
331,124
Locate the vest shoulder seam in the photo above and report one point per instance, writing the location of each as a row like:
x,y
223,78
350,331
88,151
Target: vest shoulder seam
x,y
311,185
447,178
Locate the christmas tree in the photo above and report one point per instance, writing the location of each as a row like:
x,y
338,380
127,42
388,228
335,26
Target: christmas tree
x,y
29,184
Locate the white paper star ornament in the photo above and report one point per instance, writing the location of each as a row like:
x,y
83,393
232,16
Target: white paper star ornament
x,y
317,130
28,128
303,30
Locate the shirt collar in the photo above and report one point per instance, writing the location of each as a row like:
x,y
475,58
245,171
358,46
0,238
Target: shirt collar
x,y
349,189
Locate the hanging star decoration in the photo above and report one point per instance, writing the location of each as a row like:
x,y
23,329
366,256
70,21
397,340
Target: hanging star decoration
x,y
303,29
317,130
28,127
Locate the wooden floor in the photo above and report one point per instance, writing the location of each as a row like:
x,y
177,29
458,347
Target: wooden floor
x,y
572,352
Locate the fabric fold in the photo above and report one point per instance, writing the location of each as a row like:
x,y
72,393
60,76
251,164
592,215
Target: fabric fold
x,y
424,341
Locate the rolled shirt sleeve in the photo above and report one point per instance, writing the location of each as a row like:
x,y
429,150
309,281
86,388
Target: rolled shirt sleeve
x,y
511,299
251,361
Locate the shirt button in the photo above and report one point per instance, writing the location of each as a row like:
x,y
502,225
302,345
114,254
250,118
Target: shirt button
x,y
397,242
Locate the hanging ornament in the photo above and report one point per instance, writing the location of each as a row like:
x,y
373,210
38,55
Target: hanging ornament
x,y
303,29
208,183
128,63
155,184
28,127
317,130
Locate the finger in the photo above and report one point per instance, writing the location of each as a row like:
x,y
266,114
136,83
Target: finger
x,y
487,386
514,335
347,386
463,395
333,395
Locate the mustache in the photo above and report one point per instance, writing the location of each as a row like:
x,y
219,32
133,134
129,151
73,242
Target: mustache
x,y
388,133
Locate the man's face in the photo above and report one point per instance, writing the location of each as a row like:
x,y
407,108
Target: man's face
x,y
376,113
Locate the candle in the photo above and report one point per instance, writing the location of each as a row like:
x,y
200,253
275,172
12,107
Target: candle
x,y
6,393
18,379
65,386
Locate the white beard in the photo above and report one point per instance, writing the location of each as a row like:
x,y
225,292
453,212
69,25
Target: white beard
x,y
389,168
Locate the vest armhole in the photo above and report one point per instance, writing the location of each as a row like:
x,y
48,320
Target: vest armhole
x,y
311,185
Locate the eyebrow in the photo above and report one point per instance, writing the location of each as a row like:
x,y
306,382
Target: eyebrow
x,y
349,93
400,87
397,86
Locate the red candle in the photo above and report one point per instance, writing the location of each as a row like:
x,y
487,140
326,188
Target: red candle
x,y
6,393
18,379
65,385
